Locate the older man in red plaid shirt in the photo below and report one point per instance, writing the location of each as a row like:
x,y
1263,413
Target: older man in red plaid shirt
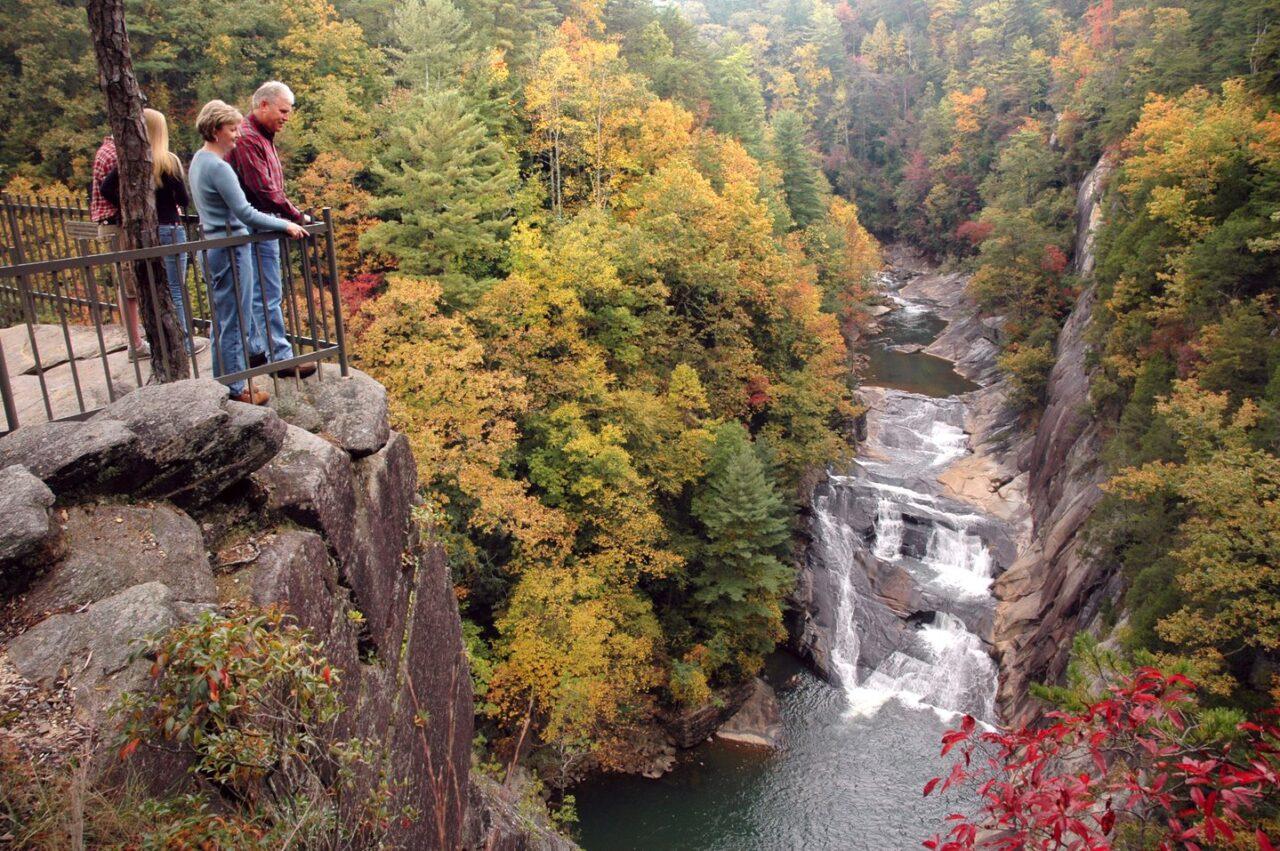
x,y
257,164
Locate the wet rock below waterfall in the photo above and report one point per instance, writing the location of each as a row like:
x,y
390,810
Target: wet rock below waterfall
x,y
758,722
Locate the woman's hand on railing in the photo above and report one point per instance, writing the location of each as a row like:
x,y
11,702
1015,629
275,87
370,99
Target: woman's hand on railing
x,y
295,231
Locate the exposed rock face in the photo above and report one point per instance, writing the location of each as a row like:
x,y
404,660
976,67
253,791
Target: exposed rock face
x,y
71,457
25,530
317,522
1089,213
495,822
52,345
758,722
92,647
78,378
969,341
111,547
1052,592
694,726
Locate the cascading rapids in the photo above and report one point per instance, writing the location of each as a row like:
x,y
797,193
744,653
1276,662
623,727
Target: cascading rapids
x,y
939,663
962,561
888,531
952,672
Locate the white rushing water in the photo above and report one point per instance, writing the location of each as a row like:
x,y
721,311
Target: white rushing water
x,y
936,661
888,531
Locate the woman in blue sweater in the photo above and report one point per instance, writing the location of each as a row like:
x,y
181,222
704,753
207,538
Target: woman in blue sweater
x,y
222,207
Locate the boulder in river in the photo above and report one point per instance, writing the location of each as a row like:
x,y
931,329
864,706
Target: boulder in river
x,y
759,721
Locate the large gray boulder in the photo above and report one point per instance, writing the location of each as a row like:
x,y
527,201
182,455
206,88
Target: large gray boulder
x,y
758,722
25,530
310,481
351,412
197,441
113,547
99,456
91,649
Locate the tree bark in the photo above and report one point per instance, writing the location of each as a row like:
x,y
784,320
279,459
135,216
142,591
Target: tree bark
x,y
137,192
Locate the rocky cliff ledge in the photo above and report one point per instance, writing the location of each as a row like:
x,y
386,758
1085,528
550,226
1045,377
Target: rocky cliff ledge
x,y
174,500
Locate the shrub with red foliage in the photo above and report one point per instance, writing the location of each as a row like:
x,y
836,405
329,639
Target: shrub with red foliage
x,y
1054,260
974,231
1140,756
758,395
356,291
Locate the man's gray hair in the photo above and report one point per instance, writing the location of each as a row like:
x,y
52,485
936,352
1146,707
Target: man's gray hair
x,y
270,91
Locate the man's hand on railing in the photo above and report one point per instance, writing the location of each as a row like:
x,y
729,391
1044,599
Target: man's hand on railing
x,y
295,231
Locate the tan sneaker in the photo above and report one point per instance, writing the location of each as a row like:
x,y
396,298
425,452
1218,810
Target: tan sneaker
x,y
252,397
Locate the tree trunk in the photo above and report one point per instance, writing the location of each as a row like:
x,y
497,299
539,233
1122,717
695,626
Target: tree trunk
x,y
137,192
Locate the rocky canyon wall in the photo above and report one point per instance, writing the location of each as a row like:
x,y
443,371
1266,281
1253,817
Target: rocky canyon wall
x,y
1053,590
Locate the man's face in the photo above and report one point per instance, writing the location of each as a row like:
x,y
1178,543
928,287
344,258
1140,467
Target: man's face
x,y
273,114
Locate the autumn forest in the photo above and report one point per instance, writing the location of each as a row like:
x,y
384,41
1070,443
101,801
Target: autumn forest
x,y
611,259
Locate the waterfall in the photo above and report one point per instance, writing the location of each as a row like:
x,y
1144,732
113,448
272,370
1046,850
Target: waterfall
x,y
951,442
888,531
946,566
952,672
838,544
961,560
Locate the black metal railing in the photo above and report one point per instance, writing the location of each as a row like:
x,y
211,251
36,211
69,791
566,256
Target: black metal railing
x,y
66,348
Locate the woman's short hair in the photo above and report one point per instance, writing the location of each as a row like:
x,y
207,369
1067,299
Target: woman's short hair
x,y
213,115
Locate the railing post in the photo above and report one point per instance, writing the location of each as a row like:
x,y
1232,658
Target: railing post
x,y
6,395
29,306
338,326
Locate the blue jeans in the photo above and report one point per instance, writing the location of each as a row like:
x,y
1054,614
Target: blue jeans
x,y
175,269
232,311
266,300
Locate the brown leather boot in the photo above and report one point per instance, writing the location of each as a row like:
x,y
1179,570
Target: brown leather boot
x,y
252,397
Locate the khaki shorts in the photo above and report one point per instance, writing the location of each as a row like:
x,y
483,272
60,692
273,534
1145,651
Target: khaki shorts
x,y
111,234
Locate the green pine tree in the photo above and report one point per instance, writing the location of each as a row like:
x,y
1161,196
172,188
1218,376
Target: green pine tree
x,y
737,103
446,191
739,580
804,185
435,41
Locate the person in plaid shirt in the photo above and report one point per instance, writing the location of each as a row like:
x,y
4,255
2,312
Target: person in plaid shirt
x,y
101,210
257,165
107,215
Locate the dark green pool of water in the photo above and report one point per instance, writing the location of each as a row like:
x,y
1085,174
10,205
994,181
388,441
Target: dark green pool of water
x,y
844,782
915,372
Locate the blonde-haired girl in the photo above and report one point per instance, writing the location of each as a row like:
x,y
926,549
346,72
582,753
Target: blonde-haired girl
x,y
171,204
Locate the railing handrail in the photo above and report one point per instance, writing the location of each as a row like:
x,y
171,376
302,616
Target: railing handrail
x,y
71,289
39,267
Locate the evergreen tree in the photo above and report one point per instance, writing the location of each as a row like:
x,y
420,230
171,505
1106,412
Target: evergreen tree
x,y
435,43
737,101
740,580
802,182
446,195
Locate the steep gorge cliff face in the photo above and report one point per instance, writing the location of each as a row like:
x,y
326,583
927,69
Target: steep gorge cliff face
x,y
174,500
1054,590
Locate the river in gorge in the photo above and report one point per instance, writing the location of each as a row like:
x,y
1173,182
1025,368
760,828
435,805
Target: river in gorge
x,y
908,571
